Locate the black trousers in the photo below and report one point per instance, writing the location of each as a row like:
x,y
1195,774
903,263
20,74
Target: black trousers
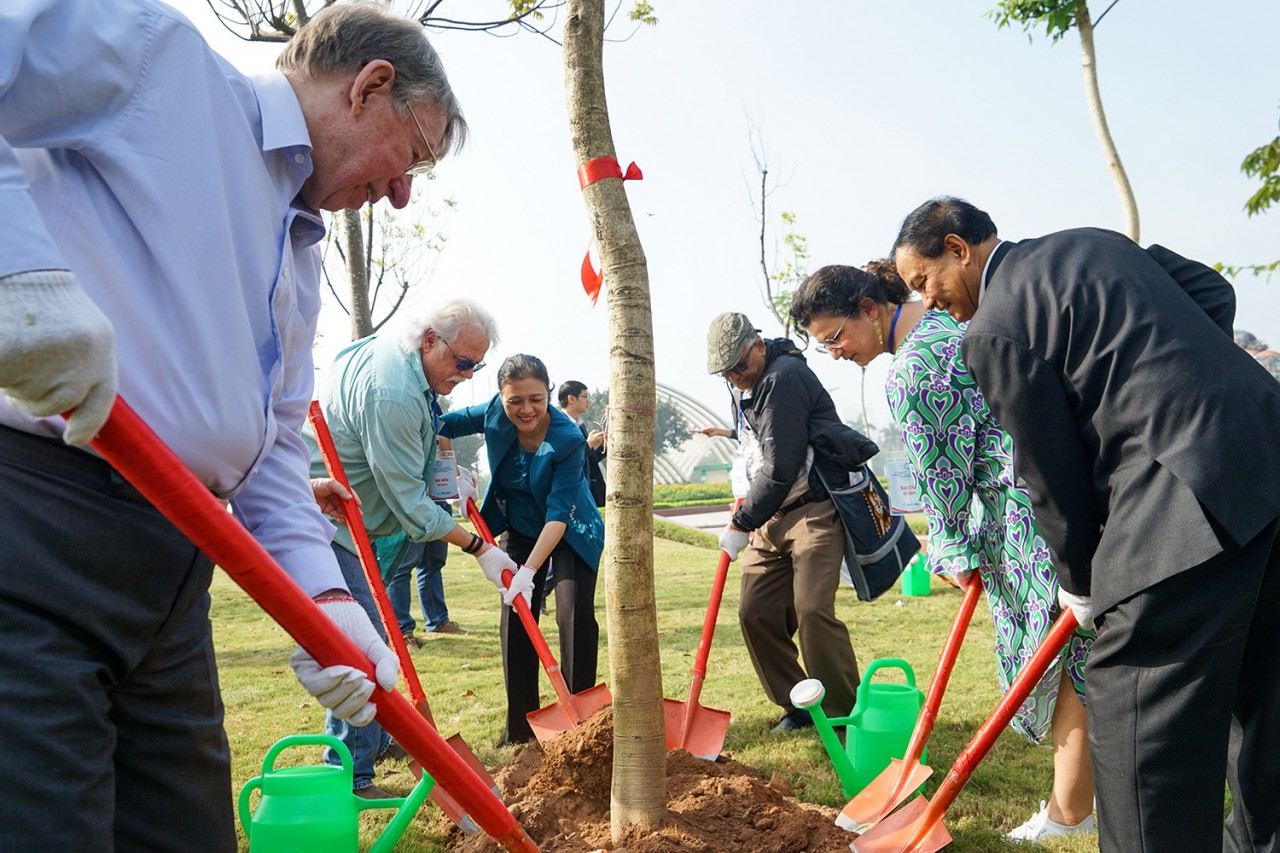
x,y
575,590
112,718
1184,691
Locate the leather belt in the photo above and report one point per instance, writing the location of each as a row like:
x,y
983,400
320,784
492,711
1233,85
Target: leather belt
x,y
806,498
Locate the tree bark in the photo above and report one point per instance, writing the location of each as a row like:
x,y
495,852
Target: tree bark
x,y
1084,24
358,271
639,755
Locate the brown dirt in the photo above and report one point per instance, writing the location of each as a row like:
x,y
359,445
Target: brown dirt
x,y
560,794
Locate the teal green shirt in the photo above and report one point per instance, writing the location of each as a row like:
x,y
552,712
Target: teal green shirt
x,y
384,419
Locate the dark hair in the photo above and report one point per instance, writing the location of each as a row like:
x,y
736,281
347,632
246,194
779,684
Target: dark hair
x,y
837,290
928,225
521,366
572,388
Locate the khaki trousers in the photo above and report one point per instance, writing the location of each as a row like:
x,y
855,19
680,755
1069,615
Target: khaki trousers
x,y
790,574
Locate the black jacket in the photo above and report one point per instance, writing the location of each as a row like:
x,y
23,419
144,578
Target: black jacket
x,y
788,411
591,467
1133,413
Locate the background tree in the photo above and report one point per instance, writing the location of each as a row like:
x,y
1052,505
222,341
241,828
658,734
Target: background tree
x,y
396,255
1263,163
780,281
1059,16
638,792
670,430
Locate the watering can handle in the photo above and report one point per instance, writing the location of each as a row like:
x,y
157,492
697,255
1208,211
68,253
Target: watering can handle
x,y
242,805
889,663
269,762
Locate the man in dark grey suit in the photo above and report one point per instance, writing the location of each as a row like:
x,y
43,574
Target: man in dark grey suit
x,y
1148,441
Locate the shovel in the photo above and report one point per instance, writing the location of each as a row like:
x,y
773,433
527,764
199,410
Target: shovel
x,y
572,708
355,524
896,782
690,726
130,446
917,827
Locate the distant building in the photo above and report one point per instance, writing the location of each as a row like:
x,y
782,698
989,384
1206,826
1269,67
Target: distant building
x,y
700,458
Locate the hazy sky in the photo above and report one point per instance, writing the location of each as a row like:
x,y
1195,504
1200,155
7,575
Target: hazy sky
x,y
866,109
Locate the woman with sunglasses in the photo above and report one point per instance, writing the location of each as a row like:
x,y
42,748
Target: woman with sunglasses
x,y
540,497
980,519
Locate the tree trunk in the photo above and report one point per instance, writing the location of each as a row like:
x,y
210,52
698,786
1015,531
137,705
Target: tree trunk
x,y
1094,98
358,271
635,677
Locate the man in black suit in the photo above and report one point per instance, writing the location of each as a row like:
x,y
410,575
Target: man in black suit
x,y
574,400
1148,441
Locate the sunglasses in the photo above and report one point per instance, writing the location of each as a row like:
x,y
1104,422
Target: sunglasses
x,y
463,364
740,367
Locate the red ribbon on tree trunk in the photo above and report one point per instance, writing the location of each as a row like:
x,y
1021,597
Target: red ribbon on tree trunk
x,y
588,173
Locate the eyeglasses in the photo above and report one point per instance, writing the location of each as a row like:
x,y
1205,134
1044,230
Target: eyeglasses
x,y
463,364
428,163
741,366
833,342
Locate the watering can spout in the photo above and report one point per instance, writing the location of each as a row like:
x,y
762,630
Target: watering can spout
x,y
312,808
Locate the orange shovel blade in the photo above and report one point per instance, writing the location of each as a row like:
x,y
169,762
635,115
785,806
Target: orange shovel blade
x,y
707,729
896,833
555,719
881,796
442,798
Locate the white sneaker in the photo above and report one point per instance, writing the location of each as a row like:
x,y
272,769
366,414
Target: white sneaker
x,y
1040,827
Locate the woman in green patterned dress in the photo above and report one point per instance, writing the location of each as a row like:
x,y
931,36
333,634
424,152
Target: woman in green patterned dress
x,y
979,518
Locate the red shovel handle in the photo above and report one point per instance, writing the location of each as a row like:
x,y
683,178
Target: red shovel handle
x,y
146,462
368,562
521,607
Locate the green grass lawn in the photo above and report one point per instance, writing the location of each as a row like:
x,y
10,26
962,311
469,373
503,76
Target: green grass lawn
x,y
462,676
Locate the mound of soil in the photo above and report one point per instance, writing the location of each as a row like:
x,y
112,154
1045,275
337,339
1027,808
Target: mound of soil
x,y
560,794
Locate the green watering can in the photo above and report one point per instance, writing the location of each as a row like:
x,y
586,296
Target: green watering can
x,y
916,578
877,731
311,809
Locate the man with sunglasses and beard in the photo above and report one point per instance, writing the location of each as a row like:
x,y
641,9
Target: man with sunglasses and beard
x,y
787,523
380,401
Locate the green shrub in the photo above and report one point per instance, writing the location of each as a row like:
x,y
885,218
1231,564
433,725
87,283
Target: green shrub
x,y
686,535
677,493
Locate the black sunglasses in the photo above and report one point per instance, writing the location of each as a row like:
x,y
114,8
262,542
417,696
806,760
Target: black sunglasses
x,y
741,365
464,364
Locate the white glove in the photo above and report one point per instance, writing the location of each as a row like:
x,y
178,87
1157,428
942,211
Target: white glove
x,y
345,690
1080,605
492,561
466,487
57,351
733,540
521,584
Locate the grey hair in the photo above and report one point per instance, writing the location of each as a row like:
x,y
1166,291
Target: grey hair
x,y
347,36
447,319
1248,342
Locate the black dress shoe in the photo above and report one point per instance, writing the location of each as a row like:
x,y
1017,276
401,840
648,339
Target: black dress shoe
x,y
797,719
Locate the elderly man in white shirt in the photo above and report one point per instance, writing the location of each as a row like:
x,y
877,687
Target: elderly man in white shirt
x,y
161,228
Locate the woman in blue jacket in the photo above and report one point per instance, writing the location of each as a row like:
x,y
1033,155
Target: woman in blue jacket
x,y
540,500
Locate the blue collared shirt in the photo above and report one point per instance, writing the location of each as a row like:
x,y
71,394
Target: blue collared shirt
x,y
384,418
165,180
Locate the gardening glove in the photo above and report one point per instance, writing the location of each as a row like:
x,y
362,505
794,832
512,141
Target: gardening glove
x,y
345,690
466,487
733,540
57,351
521,585
492,561
1081,606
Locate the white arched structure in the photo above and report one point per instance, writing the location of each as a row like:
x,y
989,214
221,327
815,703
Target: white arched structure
x,y
691,459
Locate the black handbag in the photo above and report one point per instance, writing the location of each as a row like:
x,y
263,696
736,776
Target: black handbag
x,y
877,544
